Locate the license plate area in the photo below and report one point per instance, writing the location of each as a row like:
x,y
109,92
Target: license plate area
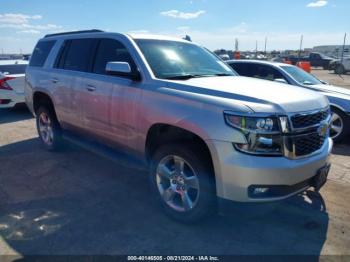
x,y
321,177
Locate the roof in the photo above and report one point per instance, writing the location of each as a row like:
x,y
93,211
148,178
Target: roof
x,y
96,32
263,62
156,37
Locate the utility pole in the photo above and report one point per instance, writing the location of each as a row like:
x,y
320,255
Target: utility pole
x,y
300,47
265,44
256,48
342,53
236,45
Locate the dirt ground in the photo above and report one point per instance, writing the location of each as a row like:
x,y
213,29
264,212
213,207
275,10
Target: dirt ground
x,y
75,202
334,79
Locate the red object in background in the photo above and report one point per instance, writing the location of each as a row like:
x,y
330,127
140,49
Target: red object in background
x,y
4,85
306,66
287,62
237,55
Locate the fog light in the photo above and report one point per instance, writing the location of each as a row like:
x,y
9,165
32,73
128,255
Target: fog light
x,y
260,190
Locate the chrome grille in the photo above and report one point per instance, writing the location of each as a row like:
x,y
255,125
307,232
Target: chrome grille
x,y
307,120
305,137
308,144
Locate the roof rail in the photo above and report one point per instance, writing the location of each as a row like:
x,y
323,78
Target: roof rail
x,y
75,32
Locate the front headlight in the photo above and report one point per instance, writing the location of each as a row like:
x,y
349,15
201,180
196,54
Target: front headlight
x,y
263,134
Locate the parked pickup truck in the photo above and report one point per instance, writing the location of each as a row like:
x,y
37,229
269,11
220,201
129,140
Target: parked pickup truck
x,y
207,135
318,60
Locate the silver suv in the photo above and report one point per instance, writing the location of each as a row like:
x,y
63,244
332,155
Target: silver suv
x,y
205,133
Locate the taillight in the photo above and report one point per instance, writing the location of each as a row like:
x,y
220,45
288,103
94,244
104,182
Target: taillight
x,y
3,83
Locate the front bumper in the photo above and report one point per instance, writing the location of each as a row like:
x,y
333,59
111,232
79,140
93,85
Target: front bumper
x,y
10,98
236,172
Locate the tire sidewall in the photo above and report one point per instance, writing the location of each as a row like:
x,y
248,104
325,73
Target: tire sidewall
x,y
207,197
346,127
56,141
339,69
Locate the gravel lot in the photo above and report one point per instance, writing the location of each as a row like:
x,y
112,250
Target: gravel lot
x,y
74,202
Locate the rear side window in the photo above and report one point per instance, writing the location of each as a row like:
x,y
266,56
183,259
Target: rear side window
x,y
110,50
41,52
77,55
243,69
13,69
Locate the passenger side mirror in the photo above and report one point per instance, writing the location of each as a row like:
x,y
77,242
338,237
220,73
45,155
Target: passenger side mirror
x,y
122,69
280,80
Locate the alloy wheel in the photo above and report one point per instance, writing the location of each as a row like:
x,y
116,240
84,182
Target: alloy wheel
x,y
337,125
177,183
45,128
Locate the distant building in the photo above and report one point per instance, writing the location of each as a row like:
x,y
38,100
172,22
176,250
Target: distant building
x,y
332,50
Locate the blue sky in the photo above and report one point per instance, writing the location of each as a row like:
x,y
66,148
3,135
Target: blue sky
x,y
214,24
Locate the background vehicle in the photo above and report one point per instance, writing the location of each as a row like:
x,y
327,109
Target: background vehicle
x,y
341,67
205,133
318,60
280,72
12,82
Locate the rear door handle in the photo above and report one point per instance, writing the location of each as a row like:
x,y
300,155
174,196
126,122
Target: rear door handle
x,y
90,88
54,80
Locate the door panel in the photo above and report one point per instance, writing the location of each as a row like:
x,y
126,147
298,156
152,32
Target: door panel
x,y
95,96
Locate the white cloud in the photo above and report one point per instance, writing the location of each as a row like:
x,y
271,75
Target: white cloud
x,y
17,18
318,3
47,27
30,31
182,15
24,24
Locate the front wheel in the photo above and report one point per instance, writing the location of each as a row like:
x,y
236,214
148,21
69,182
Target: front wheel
x,y
48,128
183,182
339,128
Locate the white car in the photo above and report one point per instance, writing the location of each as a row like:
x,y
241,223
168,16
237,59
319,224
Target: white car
x,y
342,67
12,74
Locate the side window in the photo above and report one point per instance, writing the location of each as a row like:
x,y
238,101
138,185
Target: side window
x,y
241,68
110,50
76,55
267,73
40,53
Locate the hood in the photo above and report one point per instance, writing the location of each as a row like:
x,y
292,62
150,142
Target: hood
x,y
335,90
258,95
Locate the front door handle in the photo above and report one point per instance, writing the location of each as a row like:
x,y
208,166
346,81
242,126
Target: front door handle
x,y
90,88
54,80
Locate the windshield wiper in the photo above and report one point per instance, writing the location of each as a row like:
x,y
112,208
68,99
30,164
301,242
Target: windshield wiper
x,y
307,83
189,76
223,74
183,77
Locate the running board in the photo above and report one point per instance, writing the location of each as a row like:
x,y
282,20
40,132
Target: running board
x,y
112,154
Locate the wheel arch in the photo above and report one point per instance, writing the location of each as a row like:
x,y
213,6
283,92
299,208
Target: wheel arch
x,y
41,98
160,133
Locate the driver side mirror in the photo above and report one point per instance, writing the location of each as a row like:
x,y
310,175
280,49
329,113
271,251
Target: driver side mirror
x,y
122,69
280,80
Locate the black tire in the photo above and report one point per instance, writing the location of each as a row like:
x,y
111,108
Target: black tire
x,y
339,69
326,66
206,202
346,126
56,141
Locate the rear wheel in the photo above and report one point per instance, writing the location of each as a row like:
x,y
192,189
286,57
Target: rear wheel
x,y
48,128
339,128
183,182
339,69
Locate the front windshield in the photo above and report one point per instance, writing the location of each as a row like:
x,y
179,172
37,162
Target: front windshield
x,y
179,60
301,76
